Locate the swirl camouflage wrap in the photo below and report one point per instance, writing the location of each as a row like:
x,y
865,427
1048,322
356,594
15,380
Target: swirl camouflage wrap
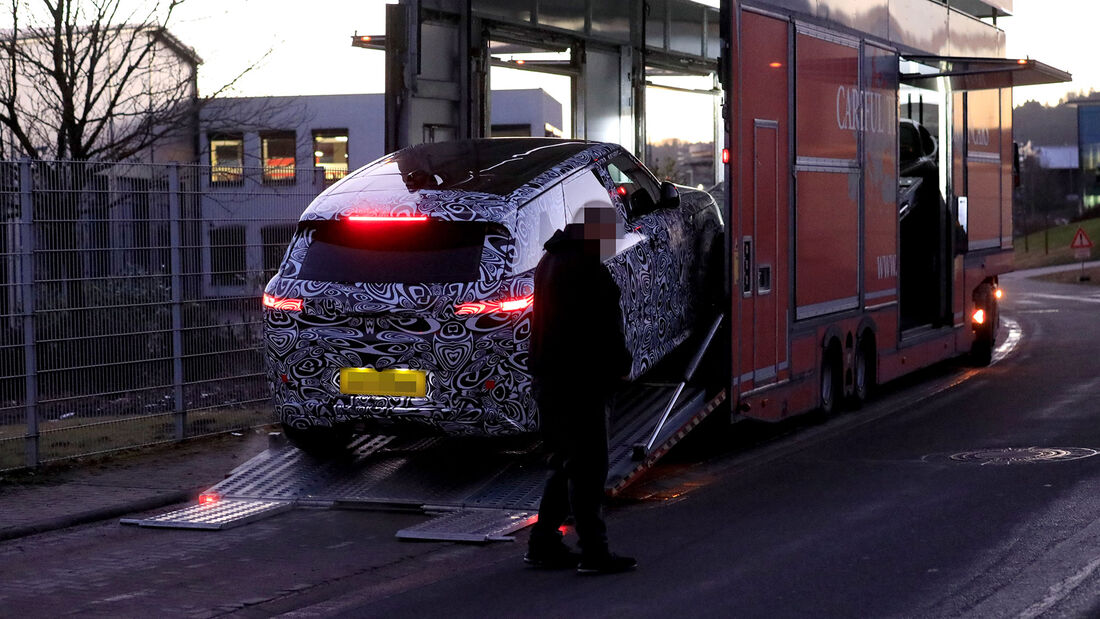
x,y
454,307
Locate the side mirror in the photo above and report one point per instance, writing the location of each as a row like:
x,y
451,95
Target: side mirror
x,y
670,196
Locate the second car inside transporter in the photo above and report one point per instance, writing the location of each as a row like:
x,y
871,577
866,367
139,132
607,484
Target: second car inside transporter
x,y
404,299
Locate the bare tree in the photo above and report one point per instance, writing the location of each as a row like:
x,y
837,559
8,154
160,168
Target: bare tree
x,y
87,79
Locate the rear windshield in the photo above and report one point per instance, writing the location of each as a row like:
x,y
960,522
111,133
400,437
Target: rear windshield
x,y
496,166
387,252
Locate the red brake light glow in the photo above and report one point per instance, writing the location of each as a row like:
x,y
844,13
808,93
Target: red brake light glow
x,y
208,498
290,305
621,190
402,218
489,307
725,155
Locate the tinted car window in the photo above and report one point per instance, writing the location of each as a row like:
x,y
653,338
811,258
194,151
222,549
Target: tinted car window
x,y
405,252
496,166
637,188
536,223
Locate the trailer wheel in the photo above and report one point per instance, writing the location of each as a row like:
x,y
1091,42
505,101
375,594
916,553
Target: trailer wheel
x,y
321,442
981,351
831,380
864,371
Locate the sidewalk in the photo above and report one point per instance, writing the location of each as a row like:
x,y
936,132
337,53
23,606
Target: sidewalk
x,y
66,495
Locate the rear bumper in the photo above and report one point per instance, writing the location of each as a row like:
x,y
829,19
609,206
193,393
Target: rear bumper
x,y
490,413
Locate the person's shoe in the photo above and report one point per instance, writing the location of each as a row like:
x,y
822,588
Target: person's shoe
x,y
609,563
556,558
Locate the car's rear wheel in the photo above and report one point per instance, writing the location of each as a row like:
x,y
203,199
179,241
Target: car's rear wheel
x,y
319,442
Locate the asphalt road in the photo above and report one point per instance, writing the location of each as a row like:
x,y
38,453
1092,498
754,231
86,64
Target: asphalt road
x,y
884,512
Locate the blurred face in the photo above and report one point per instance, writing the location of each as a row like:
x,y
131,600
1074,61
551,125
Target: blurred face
x,y
602,227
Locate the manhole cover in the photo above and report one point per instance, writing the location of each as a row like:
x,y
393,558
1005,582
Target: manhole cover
x,y
1023,455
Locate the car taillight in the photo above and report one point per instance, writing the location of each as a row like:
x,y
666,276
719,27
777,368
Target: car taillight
x,y
488,307
290,305
367,218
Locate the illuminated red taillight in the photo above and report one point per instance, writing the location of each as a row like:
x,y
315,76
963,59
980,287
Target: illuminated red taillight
x,y
208,498
290,305
379,218
725,155
979,316
621,190
488,307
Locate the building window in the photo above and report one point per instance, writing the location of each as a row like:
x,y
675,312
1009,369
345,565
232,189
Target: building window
x,y
330,151
226,158
228,261
277,151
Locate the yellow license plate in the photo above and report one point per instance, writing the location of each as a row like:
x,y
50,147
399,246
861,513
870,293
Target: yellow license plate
x,y
365,381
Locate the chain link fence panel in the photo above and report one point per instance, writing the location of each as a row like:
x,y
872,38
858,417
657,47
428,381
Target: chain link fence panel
x,y
129,301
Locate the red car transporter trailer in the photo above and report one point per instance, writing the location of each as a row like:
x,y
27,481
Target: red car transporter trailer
x,y
870,210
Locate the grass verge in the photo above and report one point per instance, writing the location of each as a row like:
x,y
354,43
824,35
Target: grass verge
x,y
1051,247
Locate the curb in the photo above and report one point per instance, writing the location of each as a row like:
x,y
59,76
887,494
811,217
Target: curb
x,y
94,515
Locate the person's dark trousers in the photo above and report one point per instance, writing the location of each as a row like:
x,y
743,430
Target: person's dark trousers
x,y
574,426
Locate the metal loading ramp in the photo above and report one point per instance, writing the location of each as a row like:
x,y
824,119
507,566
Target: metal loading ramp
x,y
478,489
478,492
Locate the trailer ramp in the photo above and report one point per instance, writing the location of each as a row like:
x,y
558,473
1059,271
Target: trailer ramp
x,y
478,490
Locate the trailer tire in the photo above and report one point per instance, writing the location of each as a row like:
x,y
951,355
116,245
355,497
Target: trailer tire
x,y
832,380
981,351
863,371
321,442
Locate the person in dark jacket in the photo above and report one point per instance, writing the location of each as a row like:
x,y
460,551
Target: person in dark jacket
x,y
577,357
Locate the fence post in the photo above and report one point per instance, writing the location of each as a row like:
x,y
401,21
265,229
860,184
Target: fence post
x,y
26,279
174,225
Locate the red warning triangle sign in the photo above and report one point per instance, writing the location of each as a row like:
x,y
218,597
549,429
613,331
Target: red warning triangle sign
x,y
1080,240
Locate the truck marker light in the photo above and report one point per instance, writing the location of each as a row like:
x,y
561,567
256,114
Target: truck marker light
x,y
488,307
979,316
376,218
775,65
290,305
725,155
1022,61
999,294
621,190
208,498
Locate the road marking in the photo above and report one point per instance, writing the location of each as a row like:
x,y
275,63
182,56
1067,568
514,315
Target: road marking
x,y
1064,297
1012,340
1060,591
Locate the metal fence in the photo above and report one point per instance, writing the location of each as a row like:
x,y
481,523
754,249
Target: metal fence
x,y
129,301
